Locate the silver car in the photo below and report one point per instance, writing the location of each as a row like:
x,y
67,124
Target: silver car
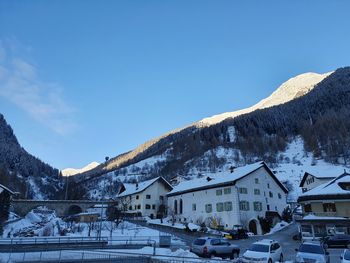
x,y
312,251
214,247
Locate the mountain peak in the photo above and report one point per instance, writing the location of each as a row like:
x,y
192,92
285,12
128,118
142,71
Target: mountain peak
x,y
289,90
73,171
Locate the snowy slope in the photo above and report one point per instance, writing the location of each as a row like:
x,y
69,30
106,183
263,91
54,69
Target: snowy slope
x,y
73,171
289,90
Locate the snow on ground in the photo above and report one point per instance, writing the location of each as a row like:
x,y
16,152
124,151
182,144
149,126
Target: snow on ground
x,y
296,162
160,253
278,227
37,224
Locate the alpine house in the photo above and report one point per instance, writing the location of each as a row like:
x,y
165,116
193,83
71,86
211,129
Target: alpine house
x,y
326,209
235,197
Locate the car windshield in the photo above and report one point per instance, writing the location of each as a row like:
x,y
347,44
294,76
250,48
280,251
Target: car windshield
x,y
347,255
259,248
314,249
199,242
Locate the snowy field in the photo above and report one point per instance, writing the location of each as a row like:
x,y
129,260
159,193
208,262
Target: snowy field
x,y
48,225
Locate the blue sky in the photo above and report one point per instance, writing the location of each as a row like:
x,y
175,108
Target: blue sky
x,y
81,80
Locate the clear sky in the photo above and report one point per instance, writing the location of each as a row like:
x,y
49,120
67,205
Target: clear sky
x,y
81,80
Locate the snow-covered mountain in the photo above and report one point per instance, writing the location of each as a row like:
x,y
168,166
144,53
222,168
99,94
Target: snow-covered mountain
x,y
289,90
73,171
303,125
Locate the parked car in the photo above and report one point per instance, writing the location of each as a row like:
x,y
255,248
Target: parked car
x,y
238,232
338,241
214,247
264,251
312,251
345,256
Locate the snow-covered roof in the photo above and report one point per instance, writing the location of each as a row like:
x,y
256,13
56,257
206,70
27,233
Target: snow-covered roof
x,y
4,188
222,178
130,189
325,173
314,217
332,189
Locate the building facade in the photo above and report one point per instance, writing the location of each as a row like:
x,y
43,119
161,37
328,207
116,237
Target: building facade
x,y
231,198
310,181
146,198
326,209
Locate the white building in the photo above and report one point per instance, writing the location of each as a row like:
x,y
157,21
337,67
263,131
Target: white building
x,y
230,198
326,209
312,180
144,198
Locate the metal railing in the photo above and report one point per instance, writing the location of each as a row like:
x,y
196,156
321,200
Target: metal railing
x,y
101,256
51,240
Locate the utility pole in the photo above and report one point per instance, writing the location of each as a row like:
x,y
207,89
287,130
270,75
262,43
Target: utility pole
x,y
66,194
102,204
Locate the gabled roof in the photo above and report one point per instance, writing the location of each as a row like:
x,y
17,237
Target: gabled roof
x,y
324,174
329,190
222,179
4,188
130,189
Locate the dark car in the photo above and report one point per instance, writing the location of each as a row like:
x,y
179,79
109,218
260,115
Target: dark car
x,y
237,234
338,241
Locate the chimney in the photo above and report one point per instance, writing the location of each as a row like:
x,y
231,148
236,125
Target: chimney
x,y
232,168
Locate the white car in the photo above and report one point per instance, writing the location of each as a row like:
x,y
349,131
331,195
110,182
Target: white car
x,y
264,251
345,256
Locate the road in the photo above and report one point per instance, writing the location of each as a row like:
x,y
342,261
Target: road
x,y
284,237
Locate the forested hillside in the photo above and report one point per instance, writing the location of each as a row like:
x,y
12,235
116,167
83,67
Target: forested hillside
x,y
320,118
23,172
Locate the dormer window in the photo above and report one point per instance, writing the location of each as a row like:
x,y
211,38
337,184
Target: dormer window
x,y
345,186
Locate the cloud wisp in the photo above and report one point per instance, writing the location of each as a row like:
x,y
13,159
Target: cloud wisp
x,y
21,85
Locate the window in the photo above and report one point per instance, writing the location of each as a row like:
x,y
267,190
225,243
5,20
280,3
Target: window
x,y
138,206
208,208
219,207
244,205
161,198
257,206
279,196
243,190
329,207
228,206
137,197
227,191
175,207
194,207
148,206
130,207
268,185
307,208
135,207
181,206
257,191
148,196
219,192
270,194
268,207
256,180
153,207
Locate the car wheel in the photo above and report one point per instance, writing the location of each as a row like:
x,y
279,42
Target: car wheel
x,y
281,258
270,260
234,253
213,254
